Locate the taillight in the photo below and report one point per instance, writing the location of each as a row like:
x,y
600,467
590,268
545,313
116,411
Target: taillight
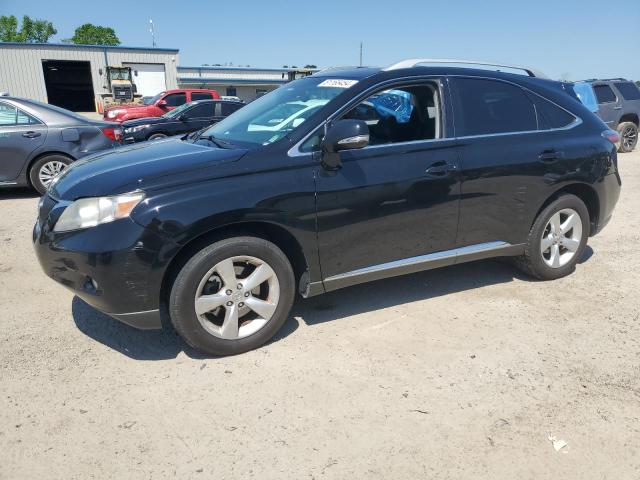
x,y
113,133
611,135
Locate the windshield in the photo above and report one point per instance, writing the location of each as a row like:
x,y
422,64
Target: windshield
x,y
271,117
152,100
178,110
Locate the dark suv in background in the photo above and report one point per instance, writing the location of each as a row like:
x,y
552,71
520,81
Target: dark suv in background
x,y
619,108
343,177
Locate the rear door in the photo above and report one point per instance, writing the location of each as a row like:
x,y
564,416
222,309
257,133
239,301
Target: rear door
x,y
507,162
20,135
609,105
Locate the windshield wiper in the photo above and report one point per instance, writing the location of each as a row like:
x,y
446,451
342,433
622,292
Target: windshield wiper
x,y
216,141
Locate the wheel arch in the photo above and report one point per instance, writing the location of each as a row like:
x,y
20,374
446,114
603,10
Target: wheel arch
x,y
271,232
30,163
630,117
584,192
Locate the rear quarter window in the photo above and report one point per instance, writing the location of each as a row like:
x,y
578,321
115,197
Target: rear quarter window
x,y
550,115
628,90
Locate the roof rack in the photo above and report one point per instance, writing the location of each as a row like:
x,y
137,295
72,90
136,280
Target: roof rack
x,y
413,62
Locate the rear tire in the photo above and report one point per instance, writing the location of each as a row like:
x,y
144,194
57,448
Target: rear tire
x,y
628,132
45,169
556,240
157,136
215,306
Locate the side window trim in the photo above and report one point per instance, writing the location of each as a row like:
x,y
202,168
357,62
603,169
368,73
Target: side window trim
x,y
527,91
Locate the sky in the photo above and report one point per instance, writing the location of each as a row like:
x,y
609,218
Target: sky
x,y
571,39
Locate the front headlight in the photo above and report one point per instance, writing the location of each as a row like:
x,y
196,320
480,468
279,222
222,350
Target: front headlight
x,y
136,128
89,212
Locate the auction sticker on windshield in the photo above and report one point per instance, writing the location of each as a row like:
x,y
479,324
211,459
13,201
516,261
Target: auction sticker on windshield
x,y
335,82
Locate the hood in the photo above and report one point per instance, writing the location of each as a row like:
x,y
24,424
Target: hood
x,y
142,109
144,121
139,166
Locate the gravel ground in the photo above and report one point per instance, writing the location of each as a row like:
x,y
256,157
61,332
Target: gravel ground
x,y
458,373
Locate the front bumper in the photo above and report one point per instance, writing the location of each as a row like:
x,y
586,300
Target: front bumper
x,y
117,267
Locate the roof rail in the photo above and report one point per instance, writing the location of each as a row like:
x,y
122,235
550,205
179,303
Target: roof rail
x,y
413,62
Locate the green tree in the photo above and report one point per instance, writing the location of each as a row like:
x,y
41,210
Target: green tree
x,y
638,83
31,31
310,66
89,34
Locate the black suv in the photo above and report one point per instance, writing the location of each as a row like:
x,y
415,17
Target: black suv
x,y
619,108
186,118
342,177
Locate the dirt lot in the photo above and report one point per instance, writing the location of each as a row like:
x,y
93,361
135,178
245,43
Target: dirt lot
x,y
457,373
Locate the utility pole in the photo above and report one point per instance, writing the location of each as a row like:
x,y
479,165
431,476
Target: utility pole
x,y
153,34
360,53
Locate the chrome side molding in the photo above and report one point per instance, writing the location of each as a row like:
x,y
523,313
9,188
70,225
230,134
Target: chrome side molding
x,y
422,262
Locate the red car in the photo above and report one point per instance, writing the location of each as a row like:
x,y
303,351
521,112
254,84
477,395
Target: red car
x,y
158,105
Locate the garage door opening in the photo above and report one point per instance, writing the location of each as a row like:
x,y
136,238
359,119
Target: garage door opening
x,y
69,85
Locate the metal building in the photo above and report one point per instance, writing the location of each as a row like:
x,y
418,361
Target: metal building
x,y
247,83
74,76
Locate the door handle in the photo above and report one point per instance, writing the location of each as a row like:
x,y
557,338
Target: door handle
x,y
441,169
619,107
550,156
31,134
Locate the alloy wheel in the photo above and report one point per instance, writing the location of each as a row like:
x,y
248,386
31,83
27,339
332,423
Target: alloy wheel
x,y
561,238
49,170
629,138
237,297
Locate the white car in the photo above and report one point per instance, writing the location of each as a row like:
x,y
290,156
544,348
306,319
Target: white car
x,y
286,116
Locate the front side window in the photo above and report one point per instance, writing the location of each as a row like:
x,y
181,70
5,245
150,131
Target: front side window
x,y
176,99
201,96
628,90
7,114
604,94
401,114
485,107
174,113
202,110
277,114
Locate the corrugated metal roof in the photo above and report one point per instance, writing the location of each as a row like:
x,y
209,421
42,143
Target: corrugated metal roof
x,y
73,45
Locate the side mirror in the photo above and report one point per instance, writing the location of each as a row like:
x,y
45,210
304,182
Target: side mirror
x,y
162,103
343,135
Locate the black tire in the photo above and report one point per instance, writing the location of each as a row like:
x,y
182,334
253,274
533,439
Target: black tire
x,y
183,291
628,132
37,167
157,136
532,262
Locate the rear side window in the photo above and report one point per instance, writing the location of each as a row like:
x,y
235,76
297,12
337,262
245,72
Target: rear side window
x,y
176,99
604,93
7,114
550,115
628,90
485,107
24,118
201,96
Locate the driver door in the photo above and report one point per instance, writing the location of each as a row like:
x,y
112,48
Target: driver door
x,y
393,205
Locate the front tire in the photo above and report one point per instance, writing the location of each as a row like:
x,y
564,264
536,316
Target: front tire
x,y
45,169
628,132
232,296
557,239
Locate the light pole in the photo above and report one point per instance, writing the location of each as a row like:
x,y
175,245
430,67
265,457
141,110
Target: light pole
x,y
153,34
